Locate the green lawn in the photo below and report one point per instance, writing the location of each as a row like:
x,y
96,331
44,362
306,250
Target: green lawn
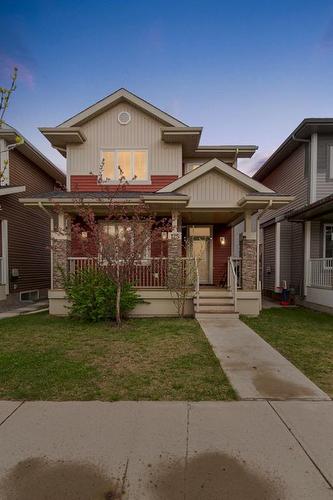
x,y
43,357
304,337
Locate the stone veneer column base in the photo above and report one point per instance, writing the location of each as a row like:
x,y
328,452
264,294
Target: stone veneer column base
x,y
248,250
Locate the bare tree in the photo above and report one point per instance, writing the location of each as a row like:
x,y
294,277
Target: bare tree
x,y
118,243
5,95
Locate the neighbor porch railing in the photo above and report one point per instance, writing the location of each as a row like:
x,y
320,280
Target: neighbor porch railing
x,y
150,272
320,273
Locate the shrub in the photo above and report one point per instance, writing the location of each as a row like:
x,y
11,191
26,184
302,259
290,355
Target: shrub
x,y
92,296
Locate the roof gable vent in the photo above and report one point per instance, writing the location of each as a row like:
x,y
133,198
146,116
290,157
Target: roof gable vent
x,y
124,117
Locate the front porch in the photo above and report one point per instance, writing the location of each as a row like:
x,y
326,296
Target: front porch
x,y
217,282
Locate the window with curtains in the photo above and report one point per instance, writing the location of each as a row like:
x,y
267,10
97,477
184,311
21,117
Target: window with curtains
x,y
132,164
116,229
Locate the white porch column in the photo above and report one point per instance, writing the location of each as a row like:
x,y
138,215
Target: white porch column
x,y
60,249
307,254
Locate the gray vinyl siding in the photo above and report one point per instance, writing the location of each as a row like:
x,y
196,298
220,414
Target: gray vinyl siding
x,y
285,251
316,248
297,257
324,183
289,178
269,258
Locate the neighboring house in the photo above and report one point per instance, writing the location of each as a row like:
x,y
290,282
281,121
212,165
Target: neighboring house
x,y
298,238
24,233
199,187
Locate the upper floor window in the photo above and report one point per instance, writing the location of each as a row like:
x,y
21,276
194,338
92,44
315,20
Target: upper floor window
x,y
131,164
191,166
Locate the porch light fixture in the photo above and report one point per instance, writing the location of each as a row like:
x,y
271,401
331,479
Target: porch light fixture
x,y
222,240
84,235
164,235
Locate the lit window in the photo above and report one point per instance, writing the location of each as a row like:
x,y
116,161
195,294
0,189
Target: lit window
x,y
133,165
191,166
118,230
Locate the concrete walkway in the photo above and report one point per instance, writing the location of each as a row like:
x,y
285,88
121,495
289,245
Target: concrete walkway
x,y
248,450
27,309
255,369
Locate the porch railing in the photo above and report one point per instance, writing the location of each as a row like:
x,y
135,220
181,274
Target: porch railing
x,y
233,280
320,273
150,272
237,265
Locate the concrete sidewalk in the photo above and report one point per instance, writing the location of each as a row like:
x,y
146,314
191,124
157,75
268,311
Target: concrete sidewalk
x,y
255,369
166,450
22,310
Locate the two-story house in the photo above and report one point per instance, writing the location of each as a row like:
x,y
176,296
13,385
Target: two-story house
x,y
198,187
24,232
298,239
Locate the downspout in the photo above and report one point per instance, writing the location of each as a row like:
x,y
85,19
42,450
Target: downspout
x,y
41,206
264,210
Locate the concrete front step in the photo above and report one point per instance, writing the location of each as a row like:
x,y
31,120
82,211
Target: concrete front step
x,y
213,315
214,301
215,309
216,293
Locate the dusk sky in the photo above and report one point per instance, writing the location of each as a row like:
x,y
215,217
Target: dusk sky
x,y
248,72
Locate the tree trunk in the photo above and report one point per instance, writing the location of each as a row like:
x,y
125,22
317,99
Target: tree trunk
x,y
118,317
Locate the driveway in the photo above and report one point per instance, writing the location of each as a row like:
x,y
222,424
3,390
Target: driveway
x,y
253,450
255,369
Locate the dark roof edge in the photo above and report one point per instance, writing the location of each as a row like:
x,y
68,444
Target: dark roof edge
x,y
281,152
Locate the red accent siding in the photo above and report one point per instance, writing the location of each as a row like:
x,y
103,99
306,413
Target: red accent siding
x,y
220,253
89,183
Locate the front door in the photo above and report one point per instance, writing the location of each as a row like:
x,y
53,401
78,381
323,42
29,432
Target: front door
x,y
200,243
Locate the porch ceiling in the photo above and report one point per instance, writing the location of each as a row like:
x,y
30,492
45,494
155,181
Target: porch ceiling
x,y
210,216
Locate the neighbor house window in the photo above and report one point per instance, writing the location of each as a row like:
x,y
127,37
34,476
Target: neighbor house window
x,y
328,241
132,164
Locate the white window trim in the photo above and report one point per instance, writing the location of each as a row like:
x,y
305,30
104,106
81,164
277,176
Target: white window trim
x,y
324,244
116,172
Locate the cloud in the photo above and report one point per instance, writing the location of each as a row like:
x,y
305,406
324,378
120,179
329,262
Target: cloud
x,y
251,165
8,63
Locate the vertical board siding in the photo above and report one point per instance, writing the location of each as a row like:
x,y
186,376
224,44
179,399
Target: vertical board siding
x,y
84,183
213,187
269,258
220,253
143,132
289,178
28,228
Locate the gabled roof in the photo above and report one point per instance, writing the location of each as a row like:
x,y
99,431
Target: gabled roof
x,y
120,95
221,167
32,153
301,134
